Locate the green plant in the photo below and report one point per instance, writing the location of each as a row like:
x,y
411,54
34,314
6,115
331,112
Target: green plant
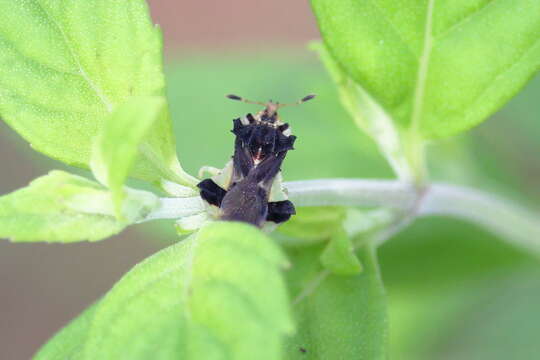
x,y
407,74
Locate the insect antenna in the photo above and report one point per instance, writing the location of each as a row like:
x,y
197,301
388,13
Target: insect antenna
x,y
276,105
271,107
239,98
301,101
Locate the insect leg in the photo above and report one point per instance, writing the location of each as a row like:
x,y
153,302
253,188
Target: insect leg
x,y
280,211
211,192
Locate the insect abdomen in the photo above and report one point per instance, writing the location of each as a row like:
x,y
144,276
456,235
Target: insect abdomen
x,y
247,202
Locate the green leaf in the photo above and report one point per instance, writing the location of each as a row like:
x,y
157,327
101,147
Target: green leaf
x,y
311,225
61,207
339,256
437,67
66,344
217,295
66,65
369,116
338,317
122,135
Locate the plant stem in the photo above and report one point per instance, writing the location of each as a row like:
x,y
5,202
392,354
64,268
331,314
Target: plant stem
x,y
175,208
513,223
415,152
352,192
506,219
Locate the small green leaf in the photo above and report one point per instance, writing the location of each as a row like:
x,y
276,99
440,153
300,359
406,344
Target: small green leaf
x,y
61,207
339,256
66,65
219,294
437,67
312,225
338,317
117,145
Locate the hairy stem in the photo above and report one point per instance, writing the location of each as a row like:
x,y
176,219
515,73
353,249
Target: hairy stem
x,y
513,223
352,192
508,220
175,208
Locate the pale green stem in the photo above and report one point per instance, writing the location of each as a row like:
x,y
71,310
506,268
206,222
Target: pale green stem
x,y
415,153
513,223
352,192
508,220
176,208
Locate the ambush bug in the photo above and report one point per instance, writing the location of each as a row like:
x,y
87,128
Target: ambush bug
x,y
249,188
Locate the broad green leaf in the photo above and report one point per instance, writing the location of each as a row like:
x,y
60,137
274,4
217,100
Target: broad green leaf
x,y
339,256
61,207
66,65
437,67
338,317
219,294
122,135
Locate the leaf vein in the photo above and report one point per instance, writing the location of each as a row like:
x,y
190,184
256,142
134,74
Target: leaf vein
x,y
493,83
465,19
38,106
32,61
387,20
423,69
99,92
189,264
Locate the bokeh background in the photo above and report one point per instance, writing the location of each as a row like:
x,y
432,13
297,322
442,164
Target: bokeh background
x,y
455,291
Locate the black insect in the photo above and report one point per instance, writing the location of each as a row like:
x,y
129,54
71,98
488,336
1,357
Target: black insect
x,y
245,190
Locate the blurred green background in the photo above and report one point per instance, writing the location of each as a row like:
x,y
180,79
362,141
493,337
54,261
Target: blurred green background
x,y
455,291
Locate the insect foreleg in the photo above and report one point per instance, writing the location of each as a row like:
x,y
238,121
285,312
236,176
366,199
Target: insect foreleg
x,y
211,192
